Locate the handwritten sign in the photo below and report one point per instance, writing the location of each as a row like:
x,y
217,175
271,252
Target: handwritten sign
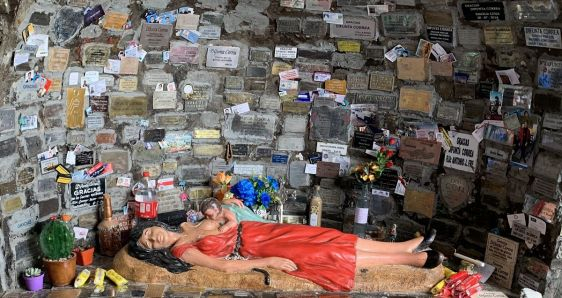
x,y
87,194
502,254
222,57
543,37
463,155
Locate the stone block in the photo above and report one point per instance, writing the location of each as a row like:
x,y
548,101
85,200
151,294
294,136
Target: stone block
x,y
88,220
348,60
194,173
169,166
8,147
7,120
33,146
120,159
233,83
295,123
55,137
140,154
291,142
270,102
106,137
260,54
23,220
297,177
172,119
314,27
475,236
7,188
288,25
153,169
27,248
169,200
49,207
66,25
330,124
46,185
251,127
199,192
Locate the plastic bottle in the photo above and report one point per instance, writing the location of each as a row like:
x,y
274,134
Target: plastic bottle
x,y
146,205
315,216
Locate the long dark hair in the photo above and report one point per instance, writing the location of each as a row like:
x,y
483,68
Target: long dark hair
x,y
159,257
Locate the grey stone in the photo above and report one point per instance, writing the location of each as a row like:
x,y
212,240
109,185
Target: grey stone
x,y
154,59
155,4
313,26
329,124
92,31
25,176
233,83
288,25
46,185
120,159
256,71
211,18
7,120
49,207
40,18
66,25
270,102
28,248
291,142
33,146
23,220
210,119
246,20
194,173
348,60
55,137
250,127
218,5
295,124
260,54
297,176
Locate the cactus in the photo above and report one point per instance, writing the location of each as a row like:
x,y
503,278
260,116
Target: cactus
x,y
31,272
56,240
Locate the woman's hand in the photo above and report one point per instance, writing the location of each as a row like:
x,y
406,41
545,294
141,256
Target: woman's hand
x,y
281,264
234,201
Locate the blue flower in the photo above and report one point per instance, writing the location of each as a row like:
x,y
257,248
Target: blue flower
x,y
273,182
245,191
260,184
265,199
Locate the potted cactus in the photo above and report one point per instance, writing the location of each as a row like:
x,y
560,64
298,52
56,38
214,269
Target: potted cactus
x,y
33,278
56,242
84,251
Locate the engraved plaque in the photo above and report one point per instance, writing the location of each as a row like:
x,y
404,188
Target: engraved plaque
x,y
450,113
357,81
288,25
417,100
232,83
454,191
128,104
498,35
354,28
380,100
75,107
401,24
535,11
96,54
155,35
381,81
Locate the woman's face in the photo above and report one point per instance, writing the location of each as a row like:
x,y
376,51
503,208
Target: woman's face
x,y
155,238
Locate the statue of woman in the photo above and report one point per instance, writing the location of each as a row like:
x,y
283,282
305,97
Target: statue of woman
x,y
324,256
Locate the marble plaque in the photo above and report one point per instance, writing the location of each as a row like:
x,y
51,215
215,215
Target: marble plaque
x,y
382,101
354,28
57,59
155,35
233,83
75,104
330,124
210,32
357,81
260,54
550,121
128,83
128,104
183,53
469,36
96,54
288,25
162,100
381,81
222,57
401,24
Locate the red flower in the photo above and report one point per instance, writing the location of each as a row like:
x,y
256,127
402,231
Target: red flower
x,y
383,149
389,164
389,154
392,141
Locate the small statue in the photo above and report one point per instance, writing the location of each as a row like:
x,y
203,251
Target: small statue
x,y
392,233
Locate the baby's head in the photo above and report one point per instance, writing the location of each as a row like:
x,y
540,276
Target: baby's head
x,y
211,208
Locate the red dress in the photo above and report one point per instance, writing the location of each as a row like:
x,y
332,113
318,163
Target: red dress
x,y
323,256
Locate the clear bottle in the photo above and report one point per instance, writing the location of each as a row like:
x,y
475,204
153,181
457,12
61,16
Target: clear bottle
x,y
362,204
109,230
315,216
145,193
146,204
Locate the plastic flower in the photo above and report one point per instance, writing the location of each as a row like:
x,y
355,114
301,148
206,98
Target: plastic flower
x,y
273,182
265,199
221,178
370,171
245,190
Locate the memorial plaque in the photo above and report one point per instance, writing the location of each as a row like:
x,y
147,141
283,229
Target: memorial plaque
x,y
354,28
207,133
336,86
75,104
210,32
211,18
454,191
444,69
327,169
463,154
534,11
154,135
95,122
363,140
87,194
501,253
128,105
96,54
235,98
549,74
382,81
183,53
232,83
419,201
440,34
260,54
421,150
550,121
240,149
551,140
417,100
357,81
128,83
312,66
250,127
483,11
222,57
162,100
499,35
295,107
263,152
375,52
200,92
114,20
7,120
187,21
208,150
450,113
155,35
288,25
378,100
313,26
286,53
256,71
57,59
412,69
349,46
469,36
330,124
85,158
318,5
401,24
543,37
154,59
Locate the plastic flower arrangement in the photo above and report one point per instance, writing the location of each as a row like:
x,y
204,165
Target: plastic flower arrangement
x,y
221,183
370,171
257,191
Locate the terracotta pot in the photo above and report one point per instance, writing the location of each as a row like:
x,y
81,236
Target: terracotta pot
x,y
61,273
85,257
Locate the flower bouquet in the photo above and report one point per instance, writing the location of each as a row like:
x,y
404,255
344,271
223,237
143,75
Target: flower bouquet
x,y
258,193
369,172
221,185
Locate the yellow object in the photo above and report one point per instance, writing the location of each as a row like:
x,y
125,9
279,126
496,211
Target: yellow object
x,y
116,278
82,278
438,287
98,280
448,272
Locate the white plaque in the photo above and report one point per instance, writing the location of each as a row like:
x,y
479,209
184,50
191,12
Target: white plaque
x,y
285,52
338,148
463,154
222,57
543,37
164,100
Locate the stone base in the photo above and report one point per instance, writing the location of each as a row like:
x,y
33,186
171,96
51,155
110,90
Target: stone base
x,y
388,278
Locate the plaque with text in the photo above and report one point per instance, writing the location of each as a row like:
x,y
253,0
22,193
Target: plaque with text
x,y
501,253
128,83
336,86
99,103
552,121
417,100
75,105
421,150
381,81
240,149
543,37
363,140
450,113
96,54
87,194
440,34
483,11
155,35
498,35
354,28
454,191
549,74
210,32
463,154
401,24
222,57
57,59
327,169
357,81
114,20
183,53
127,105
162,100
288,25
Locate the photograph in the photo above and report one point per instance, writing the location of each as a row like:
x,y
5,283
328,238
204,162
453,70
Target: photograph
x,y
498,134
185,10
495,108
525,138
159,87
424,48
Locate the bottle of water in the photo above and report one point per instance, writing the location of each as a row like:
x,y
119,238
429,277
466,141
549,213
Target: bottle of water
x,y
145,199
362,204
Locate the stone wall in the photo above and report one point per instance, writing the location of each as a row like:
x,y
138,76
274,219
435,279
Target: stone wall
x,y
373,82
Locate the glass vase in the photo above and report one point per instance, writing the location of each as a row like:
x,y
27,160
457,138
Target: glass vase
x,y
362,203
